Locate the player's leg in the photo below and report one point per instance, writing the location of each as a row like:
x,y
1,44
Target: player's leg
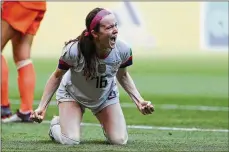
x,y
26,76
113,122
5,104
26,72
7,32
21,50
22,44
65,128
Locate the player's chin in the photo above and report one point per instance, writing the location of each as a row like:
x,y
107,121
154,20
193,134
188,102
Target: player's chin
x,y
112,47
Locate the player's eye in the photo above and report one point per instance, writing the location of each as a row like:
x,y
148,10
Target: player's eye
x,y
112,26
109,27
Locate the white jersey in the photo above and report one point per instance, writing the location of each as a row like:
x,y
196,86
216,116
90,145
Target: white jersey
x,y
94,91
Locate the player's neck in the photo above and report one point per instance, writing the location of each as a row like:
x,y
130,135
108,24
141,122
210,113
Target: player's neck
x,y
102,52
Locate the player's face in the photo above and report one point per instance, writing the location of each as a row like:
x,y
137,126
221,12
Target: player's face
x,y
108,31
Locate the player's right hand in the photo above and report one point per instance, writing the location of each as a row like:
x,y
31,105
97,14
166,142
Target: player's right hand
x,y
38,115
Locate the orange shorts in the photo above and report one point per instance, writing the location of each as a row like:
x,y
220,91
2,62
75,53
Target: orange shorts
x,y
26,21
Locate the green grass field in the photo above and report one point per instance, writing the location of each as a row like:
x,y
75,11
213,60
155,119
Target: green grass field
x,y
188,91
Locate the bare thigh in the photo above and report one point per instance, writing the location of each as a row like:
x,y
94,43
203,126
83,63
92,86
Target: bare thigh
x,y
113,122
7,32
70,118
22,46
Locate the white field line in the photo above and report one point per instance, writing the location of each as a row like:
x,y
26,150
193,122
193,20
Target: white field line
x,y
157,106
155,127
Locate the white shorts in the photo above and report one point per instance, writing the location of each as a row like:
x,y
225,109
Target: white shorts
x,y
62,95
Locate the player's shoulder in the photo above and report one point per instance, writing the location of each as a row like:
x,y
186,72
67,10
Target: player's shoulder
x,y
71,45
122,46
71,49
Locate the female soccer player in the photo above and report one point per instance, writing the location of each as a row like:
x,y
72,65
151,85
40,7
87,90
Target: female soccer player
x,y
20,22
89,65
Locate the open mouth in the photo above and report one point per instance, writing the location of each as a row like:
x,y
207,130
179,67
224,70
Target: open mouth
x,y
113,39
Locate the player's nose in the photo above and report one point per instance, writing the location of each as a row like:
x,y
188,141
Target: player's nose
x,y
115,31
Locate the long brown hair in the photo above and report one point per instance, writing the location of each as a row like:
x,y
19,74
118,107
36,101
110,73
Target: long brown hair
x,y
87,46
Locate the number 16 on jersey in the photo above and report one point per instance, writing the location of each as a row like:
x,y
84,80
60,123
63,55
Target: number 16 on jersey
x,y
101,81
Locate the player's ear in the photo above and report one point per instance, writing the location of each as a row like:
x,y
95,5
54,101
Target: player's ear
x,y
94,34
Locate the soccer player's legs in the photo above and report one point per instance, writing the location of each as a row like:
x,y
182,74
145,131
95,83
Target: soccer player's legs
x,y
26,76
65,128
26,73
113,122
22,43
20,19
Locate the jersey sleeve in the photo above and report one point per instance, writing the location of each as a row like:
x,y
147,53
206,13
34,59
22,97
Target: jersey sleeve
x,y
69,57
126,55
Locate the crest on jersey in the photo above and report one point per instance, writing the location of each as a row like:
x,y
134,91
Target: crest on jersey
x,y
102,68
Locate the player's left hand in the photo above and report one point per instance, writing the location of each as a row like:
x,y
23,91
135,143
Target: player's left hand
x,y
145,107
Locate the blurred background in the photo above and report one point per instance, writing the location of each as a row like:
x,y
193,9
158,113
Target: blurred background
x,y
180,55
152,26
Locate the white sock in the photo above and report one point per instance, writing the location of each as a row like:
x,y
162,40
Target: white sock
x,y
61,138
56,132
23,63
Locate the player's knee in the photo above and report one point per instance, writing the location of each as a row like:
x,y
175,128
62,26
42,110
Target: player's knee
x,y
119,139
18,57
66,139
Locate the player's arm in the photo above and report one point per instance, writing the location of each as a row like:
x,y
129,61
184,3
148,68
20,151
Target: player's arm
x,y
51,87
67,60
124,77
125,80
54,82
65,63
128,85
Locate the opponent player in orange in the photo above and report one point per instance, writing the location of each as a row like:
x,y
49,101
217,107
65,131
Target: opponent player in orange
x,y
19,23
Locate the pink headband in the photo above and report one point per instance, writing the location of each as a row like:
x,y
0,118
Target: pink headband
x,y
98,17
